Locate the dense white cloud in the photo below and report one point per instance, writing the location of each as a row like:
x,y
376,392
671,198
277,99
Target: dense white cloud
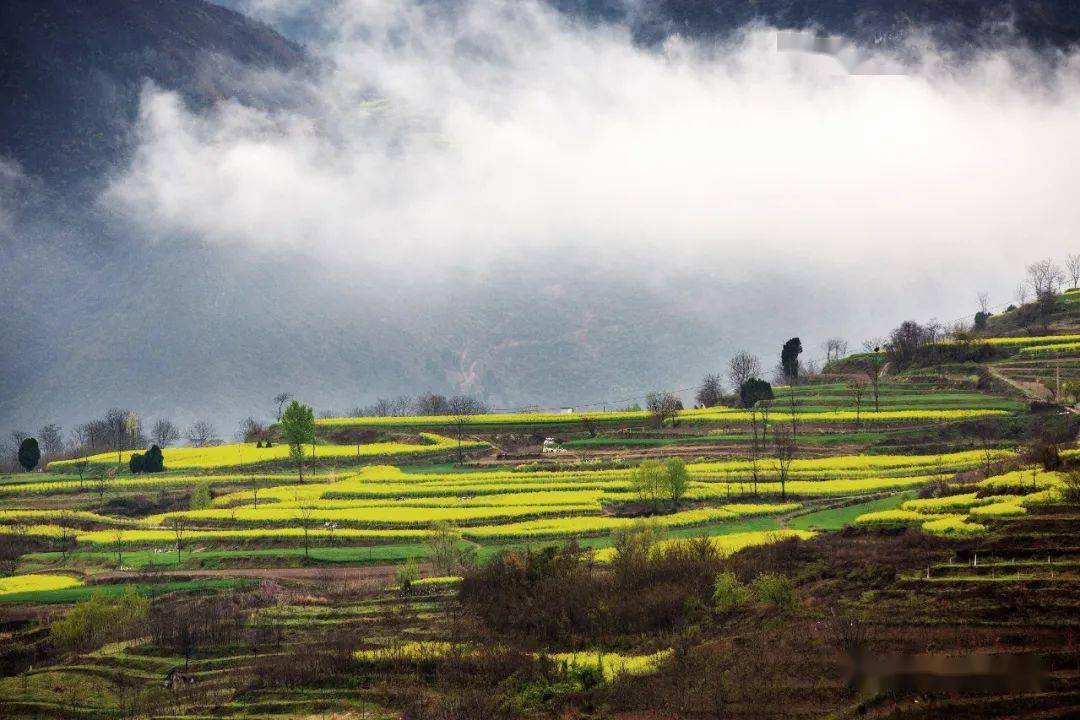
x,y
501,129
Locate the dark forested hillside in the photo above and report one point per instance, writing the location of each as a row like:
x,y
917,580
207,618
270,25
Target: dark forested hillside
x,y
1051,23
71,72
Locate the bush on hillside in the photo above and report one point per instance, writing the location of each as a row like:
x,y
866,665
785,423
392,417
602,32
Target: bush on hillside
x,y
100,620
729,592
149,462
775,590
153,461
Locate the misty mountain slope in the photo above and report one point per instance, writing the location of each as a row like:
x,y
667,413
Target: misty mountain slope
x,y
220,338
549,212
71,72
954,23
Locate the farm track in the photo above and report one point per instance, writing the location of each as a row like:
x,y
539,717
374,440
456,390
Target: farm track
x,y
322,573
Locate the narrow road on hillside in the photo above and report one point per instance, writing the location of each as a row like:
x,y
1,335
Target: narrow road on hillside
x,y
1029,390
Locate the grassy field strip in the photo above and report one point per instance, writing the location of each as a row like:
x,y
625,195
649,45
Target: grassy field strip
x,y
840,517
548,498
247,536
75,594
167,558
714,414
83,516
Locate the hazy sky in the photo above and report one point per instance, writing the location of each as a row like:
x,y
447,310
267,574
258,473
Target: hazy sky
x,y
458,200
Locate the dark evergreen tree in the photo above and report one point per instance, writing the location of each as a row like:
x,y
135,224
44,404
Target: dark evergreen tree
x,y
136,463
789,359
153,462
753,391
29,454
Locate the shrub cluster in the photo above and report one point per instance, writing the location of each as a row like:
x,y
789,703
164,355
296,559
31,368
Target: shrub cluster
x,y
100,620
151,461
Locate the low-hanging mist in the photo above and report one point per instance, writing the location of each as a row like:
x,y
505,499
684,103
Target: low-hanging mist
x,y
437,140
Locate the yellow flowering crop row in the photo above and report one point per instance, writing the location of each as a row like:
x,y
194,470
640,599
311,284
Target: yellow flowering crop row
x,y
240,454
394,516
1069,347
598,525
36,582
612,664
728,544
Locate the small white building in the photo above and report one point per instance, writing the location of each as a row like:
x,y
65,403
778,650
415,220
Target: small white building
x,y
551,446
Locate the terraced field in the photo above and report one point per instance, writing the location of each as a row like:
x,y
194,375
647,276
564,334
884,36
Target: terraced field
x,y
238,455
335,595
828,404
385,507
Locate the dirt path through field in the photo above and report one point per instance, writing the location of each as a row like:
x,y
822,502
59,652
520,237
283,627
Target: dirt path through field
x,y
1031,390
337,574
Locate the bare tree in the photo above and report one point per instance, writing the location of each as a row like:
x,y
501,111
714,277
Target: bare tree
x,y
1045,276
784,447
741,368
133,428
116,426
179,526
81,464
101,485
386,407
118,541
856,387
51,438
755,448
250,430
305,517
430,403
983,299
835,349
66,521
1021,293
466,405
872,366
164,433
711,391
460,422
201,433
662,406
793,413
1072,266
281,398
988,432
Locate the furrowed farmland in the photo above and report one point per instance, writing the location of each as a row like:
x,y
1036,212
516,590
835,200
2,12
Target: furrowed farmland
x,y
743,555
